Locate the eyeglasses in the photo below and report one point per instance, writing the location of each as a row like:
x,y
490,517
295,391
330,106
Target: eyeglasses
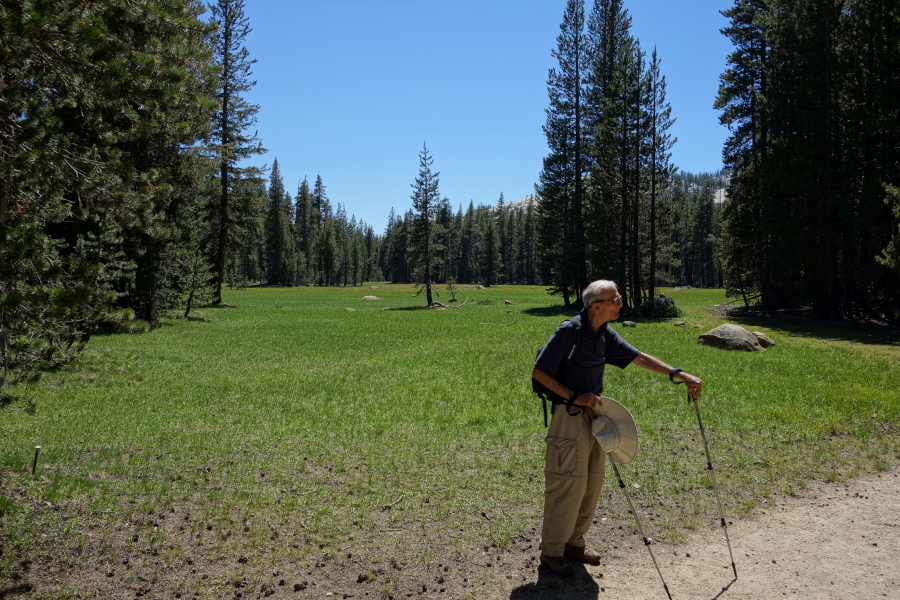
x,y
617,300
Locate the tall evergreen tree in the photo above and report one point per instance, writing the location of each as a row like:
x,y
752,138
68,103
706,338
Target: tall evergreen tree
x,y
280,248
659,114
234,118
609,41
343,241
529,246
325,249
511,244
471,246
491,261
704,240
560,189
248,252
742,99
424,244
306,220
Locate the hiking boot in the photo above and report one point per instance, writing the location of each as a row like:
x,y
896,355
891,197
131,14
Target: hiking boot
x,y
582,554
558,564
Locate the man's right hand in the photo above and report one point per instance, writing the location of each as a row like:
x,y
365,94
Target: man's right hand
x,y
591,402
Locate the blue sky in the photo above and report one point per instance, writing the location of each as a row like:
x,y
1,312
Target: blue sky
x,y
352,89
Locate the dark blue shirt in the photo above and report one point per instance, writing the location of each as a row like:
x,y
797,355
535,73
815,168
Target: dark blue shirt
x,y
595,350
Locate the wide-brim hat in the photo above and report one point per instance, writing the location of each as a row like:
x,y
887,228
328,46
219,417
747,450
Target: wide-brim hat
x,y
615,431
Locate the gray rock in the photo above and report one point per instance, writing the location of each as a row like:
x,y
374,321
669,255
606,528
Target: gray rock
x,y
730,337
629,324
764,340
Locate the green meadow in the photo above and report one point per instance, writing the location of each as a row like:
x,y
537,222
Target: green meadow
x,y
285,444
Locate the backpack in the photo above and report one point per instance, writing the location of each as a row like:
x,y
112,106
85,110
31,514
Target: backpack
x,y
540,389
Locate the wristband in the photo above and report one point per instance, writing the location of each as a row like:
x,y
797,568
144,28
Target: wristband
x,y
672,374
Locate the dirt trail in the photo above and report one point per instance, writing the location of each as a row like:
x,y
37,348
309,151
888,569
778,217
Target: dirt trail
x,y
837,541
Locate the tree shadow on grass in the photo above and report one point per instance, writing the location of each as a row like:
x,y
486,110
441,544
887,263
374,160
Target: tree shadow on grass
x,y
395,308
841,331
553,311
217,305
580,586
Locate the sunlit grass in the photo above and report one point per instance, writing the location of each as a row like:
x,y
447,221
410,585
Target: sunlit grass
x,y
284,428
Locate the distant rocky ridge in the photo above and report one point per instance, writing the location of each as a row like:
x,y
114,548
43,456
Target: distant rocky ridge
x,y
692,182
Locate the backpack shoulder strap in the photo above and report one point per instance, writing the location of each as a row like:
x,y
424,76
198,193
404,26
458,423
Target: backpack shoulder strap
x,y
576,324
576,337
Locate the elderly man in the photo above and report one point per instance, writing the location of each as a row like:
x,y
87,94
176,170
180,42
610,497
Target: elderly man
x,y
575,463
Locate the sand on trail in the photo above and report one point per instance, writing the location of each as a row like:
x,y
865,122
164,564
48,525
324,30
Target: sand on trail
x,y
836,541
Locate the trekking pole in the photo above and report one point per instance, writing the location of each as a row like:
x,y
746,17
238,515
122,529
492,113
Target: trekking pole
x,y
712,476
638,521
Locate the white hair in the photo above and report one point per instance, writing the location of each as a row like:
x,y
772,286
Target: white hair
x,y
593,291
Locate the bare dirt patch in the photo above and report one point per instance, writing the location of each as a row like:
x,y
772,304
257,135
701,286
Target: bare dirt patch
x,y
835,541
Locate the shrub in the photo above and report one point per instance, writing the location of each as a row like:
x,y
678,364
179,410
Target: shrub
x,y
661,307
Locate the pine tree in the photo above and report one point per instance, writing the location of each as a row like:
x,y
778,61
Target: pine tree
x,y
280,240
614,112
325,249
511,245
561,237
423,239
248,238
741,98
704,240
343,238
529,246
306,219
95,117
471,246
328,251
491,260
660,166
235,116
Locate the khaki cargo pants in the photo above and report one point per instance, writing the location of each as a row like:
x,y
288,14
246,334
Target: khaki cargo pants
x,y
574,471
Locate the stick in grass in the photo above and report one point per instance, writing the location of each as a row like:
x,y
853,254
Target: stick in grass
x,y
388,506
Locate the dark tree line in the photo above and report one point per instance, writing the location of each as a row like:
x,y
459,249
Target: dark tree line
x,y
498,244
810,95
486,245
301,240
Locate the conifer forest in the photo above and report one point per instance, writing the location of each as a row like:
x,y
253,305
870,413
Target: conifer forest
x,y
131,187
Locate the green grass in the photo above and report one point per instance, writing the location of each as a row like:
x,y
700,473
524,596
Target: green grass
x,y
284,430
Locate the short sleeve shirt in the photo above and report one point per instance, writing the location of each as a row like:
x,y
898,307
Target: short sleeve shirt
x,y
595,350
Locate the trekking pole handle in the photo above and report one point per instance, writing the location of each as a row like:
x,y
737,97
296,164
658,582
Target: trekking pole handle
x,y
672,374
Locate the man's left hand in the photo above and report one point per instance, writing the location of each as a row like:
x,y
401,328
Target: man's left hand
x,y
694,384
